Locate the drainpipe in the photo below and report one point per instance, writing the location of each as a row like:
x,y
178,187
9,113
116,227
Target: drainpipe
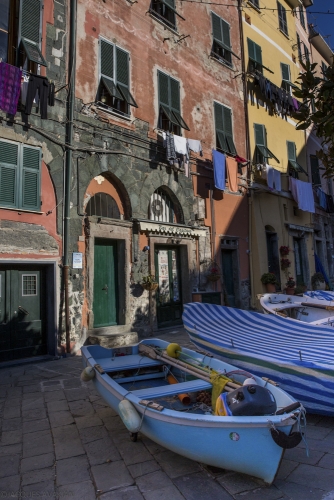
x,y
248,152
68,164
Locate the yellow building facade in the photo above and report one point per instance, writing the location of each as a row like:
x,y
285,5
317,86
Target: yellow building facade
x,y
277,150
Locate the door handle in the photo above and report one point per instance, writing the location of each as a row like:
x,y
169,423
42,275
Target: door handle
x,y
23,310
105,288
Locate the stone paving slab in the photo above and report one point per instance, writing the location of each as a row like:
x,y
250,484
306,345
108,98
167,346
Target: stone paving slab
x,y
59,439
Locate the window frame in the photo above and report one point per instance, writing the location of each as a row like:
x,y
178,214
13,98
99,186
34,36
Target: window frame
x,y
222,41
224,136
257,50
116,89
170,6
171,112
282,19
262,152
23,175
315,173
302,17
293,164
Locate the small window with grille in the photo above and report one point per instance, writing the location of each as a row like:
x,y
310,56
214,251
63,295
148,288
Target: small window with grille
x,y
29,284
114,82
103,205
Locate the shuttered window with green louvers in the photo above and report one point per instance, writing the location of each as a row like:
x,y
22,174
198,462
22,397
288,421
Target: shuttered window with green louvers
x,y
114,85
255,56
30,31
282,21
170,118
165,11
221,48
316,180
20,174
294,166
262,153
224,130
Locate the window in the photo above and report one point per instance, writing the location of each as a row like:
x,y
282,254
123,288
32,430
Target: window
x,y
255,56
286,83
293,165
114,92
161,207
255,3
282,22
302,17
165,11
29,284
20,172
103,205
20,33
300,55
316,180
224,131
324,68
306,52
221,48
262,153
170,118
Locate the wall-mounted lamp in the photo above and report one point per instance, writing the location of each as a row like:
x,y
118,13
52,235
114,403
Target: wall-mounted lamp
x,y
146,248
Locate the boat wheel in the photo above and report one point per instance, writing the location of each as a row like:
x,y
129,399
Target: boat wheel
x,y
133,436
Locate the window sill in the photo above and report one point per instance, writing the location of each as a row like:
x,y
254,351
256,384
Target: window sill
x,y
283,33
19,210
160,21
250,4
221,61
113,113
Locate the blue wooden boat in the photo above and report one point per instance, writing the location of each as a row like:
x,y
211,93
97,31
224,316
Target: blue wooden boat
x,y
136,386
297,355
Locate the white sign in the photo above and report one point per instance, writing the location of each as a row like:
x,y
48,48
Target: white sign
x,y
77,260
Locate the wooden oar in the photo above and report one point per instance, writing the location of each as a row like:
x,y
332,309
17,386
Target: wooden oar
x,y
197,372
318,306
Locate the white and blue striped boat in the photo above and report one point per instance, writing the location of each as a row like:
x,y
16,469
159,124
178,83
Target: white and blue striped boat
x,y
297,355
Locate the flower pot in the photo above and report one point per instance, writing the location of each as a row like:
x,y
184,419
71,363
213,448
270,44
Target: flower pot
x,y
290,291
213,277
150,286
270,288
320,286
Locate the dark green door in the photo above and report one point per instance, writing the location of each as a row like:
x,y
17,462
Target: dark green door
x,y
272,253
228,278
105,305
169,296
22,331
297,246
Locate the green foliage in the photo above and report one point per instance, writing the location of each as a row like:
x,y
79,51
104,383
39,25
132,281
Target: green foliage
x,y
316,279
268,278
319,92
149,279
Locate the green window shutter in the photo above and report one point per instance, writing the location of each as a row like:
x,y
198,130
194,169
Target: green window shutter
x,y
218,117
175,94
224,131
260,134
299,47
226,33
285,69
170,3
122,67
282,18
315,170
258,53
31,173
291,151
163,82
254,51
227,119
216,27
30,20
9,155
107,59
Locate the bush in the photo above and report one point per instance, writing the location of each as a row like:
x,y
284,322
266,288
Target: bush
x,y
268,278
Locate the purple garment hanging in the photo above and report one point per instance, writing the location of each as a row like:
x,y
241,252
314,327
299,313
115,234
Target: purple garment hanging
x,y
295,104
10,86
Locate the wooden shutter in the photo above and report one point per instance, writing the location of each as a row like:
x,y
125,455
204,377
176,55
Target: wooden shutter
x,y
285,68
291,151
226,34
163,82
216,27
170,3
254,51
30,20
174,94
260,134
122,67
9,161
282,18
299,47
31,173
224,131
315,170
227,120
107,59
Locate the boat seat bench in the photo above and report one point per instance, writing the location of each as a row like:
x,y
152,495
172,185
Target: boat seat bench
x,y
170,390
130,362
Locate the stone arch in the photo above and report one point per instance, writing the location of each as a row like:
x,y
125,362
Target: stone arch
x,y
176,206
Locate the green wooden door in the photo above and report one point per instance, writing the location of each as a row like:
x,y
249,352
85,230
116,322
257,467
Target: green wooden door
x,y
22,331
105,305
169,296
297,246
228,278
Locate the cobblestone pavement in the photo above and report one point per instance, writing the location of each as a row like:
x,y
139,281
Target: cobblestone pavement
x,y
60,440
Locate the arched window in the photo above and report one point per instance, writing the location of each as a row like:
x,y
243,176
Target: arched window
x,y
103,205
161,207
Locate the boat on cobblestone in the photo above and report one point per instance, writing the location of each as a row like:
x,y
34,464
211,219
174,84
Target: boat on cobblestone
x,y
167,393
299,356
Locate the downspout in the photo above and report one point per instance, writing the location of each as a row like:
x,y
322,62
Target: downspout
x,y
68,164
248,152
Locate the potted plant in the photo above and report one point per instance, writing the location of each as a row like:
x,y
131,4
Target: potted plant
x,y
318,281
149,283
290,286
214,273
284,250
270,282
285,264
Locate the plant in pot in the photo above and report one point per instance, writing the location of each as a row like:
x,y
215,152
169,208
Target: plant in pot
x,y
149,282
290,286
285,264
318,281
213,273
270,282
284,250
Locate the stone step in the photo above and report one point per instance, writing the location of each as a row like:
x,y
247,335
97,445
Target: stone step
x,y
112,336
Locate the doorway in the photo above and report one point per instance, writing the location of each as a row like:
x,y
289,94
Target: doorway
x,y
169,294
22,312
105,298
272,254
298,248
228,278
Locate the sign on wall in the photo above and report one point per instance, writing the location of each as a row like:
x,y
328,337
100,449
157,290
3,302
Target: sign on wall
x,y
77,260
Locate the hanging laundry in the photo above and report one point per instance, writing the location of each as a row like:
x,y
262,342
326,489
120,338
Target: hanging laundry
x,y
232,174
10,86
171,155
219,169
240,159
195,146
38,84
180,145
295,104
302,193
273,178
322,198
